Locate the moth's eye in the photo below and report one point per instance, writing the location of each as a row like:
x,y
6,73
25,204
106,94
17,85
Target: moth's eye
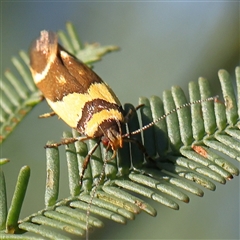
x,y
105,141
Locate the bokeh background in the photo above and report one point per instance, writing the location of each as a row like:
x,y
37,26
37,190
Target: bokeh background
x,y
162,44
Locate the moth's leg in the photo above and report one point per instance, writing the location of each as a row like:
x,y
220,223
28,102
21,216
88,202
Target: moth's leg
x,y
131,112
66,141
140,146
86,160
46,115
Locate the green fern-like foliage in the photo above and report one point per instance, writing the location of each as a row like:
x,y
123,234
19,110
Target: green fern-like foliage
x,y
186,147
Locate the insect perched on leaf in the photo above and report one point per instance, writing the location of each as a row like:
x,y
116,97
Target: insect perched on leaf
x,y
76,94
80,97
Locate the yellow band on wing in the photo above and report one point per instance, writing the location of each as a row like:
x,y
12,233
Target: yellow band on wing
x,y
71,106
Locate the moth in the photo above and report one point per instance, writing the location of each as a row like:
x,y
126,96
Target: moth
x,y
76,94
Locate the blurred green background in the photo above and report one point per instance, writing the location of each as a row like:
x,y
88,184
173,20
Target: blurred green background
x,y
162,44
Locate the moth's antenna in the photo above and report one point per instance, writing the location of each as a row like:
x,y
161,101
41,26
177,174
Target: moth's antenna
x,y
94,192
169,113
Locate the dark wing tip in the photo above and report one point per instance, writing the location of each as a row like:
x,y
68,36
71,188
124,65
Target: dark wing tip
x,y
41,50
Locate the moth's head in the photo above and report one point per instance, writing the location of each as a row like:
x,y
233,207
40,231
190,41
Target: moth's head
x,y
112,136
113,139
